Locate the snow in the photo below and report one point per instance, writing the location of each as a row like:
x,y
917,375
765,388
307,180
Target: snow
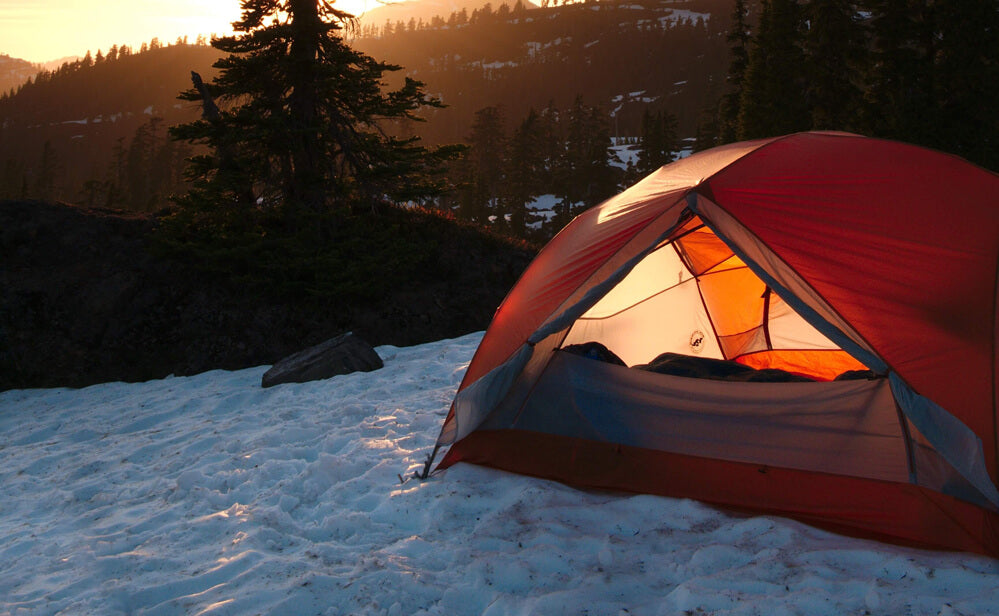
x,y
676,15
209,495
493,66
624,155
542,209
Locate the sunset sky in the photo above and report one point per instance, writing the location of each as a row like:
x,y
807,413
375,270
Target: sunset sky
x,y
43,30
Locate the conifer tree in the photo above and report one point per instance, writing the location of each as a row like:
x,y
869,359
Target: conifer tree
x,y
738,38
659,141
772,102
49,171
899,95
138,165
966,80
526,169
301,129
585,176
835,46
484,166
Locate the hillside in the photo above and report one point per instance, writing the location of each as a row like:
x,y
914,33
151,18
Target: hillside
x,y
419,10
14,72
625,57
86,301
89,115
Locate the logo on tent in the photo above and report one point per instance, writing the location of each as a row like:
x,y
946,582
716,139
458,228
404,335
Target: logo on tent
x,y
697,341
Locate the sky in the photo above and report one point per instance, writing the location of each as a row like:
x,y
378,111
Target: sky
x,y
210,495
45,30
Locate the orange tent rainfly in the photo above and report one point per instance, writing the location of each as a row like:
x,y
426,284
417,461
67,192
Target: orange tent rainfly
x,y
804,326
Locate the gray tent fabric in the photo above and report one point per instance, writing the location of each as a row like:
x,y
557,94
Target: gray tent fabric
x,y
857,433
474,403
949,436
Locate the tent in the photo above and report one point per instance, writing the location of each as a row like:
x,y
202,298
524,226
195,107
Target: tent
x,y
827,303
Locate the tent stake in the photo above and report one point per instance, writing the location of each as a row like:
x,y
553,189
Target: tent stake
x,y
426,467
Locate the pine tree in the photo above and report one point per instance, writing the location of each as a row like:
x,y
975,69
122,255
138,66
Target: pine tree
x,y
585,176
659,141
301,128
526,170
772,103
738,38
835,49
484,164
139,170
966,79
900,99
116,175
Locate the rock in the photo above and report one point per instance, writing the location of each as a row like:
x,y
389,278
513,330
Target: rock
x,y
341,355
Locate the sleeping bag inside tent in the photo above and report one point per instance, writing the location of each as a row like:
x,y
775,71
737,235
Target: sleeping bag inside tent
x,y
803,326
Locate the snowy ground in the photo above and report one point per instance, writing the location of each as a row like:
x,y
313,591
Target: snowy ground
x,y
210,495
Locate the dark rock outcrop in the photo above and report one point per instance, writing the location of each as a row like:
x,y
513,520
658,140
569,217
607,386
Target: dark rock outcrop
x,y
341,355
84,300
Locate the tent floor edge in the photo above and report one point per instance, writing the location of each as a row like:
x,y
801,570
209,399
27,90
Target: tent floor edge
x,y
898,513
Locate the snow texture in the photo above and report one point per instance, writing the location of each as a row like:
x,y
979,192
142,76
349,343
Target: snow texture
x,y
209,495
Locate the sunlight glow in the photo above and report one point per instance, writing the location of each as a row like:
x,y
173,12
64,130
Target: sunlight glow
x,y
46,30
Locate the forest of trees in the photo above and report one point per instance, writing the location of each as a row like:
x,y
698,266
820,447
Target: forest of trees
x,y
91,111
673,53
539,95
921,72
80,132
563,153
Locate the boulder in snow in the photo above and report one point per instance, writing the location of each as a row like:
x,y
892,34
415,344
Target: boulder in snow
x,y
343,354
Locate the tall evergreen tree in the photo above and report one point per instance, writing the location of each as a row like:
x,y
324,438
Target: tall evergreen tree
x,y
900,99
484,166
835,47
585,176
301,125
49,172
139,172
526,167
739,38
772,102
966,81
659,141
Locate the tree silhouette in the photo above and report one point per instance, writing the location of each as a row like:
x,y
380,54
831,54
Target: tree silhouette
x,y
772,101
307,119
835,47
738,38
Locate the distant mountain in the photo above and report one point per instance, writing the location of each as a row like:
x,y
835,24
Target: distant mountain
x,y
424,10
52,65
15,71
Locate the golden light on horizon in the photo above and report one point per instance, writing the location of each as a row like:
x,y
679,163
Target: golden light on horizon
x,y
45,30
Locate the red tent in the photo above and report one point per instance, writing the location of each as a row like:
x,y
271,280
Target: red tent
x,y
804,326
